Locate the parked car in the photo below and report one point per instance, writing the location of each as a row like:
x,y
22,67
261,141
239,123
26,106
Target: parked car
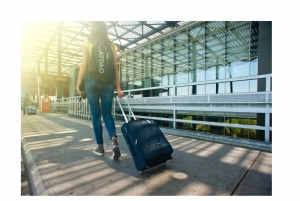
x,y
31,109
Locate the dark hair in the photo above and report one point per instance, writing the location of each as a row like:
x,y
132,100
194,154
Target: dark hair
x,y
99,33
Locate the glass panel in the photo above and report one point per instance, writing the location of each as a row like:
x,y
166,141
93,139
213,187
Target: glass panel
x,y
156,81
221,72
200,89
198,50
221,88
181,64
156,64
215,49
147,67
185,126
211,73
200,75
137,84
168,43
252,134
181,56
234,120
214,27
147,50
130,84
155,92
172,91
137,68
237,69
182,91
214,119
193,90
254,66
165,80
240,86
197,32
228,87
123,65
124,85
237,132
129,70
167,67
167,124
156,46
165,92
210,88
146,93
253,85
237,43
137,94
181,77
217,130
203,128
181,38
232,24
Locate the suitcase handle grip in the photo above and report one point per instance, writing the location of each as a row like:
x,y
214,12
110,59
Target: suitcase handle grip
x,y
126,120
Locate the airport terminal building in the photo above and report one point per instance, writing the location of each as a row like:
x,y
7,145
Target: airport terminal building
x,y
204,78
208,77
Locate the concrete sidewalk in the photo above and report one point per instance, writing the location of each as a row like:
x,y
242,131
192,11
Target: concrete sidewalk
x,y
59,157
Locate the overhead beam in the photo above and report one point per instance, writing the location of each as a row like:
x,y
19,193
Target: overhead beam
x,y
50,42
154,30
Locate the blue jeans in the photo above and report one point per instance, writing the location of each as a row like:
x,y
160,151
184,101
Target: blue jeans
x,y
105,92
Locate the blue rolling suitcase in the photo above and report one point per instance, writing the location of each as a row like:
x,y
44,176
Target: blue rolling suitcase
x,y
146,142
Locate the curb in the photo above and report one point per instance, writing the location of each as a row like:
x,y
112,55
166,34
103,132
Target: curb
x,y
36,185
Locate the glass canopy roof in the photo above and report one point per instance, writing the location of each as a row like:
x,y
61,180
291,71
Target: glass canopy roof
x,y
40,41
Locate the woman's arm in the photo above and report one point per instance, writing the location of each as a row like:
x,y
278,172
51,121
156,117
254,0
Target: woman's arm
x,y
117,78
83,68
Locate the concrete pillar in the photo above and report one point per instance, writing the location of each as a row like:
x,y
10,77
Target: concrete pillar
x,y
264,67
73,74
59,84
59,90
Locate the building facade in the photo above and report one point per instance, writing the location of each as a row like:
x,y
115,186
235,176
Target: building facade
x,y
206,77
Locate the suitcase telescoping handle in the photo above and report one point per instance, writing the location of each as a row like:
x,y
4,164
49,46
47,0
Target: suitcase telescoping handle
x,y
122,108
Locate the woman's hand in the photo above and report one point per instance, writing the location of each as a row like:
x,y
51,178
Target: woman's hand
x,y
120,94
79,92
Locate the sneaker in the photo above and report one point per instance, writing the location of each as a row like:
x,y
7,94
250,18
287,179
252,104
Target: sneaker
x,y
99,150
116,150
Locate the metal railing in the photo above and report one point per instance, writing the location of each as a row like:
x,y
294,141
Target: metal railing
x,y
254,102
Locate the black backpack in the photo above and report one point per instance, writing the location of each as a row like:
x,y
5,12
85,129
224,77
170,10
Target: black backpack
x,y
101,65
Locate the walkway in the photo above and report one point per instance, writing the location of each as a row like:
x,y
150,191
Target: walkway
x,y
59,157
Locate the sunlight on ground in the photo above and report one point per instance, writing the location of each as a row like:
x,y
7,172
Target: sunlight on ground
x,y
47,143
85,139
180,175
35,134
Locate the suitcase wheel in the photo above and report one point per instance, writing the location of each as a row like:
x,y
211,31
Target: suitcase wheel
x,y
141,172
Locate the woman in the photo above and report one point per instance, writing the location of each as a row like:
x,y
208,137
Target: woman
x,y
95,90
